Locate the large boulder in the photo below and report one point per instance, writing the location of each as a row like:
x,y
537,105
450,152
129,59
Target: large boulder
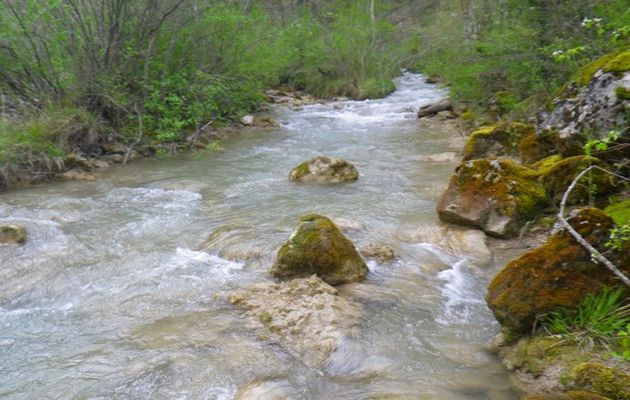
x,y
558,173
594,103
12,234
557,274
317,246
497,140
322,169
497,196
304,316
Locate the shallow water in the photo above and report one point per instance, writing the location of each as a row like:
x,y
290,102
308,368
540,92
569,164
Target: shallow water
x,y
110,297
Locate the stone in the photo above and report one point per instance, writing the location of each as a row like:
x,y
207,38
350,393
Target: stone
x,y
304,316
264,390
101,164
572,395
76,175
497,196
317,246
429,110
559,273
247,120
557,174
12,234
379,252
497,140
324,169
591,105
468,243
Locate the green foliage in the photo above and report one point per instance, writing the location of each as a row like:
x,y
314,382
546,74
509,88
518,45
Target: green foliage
x,y
624,344
183,102
619,236
597,319
51,132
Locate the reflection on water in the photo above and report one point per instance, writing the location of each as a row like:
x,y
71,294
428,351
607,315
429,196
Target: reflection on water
x,y
112,298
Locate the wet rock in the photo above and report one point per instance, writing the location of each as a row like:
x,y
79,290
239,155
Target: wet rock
x,y
346,224
305,316
592,104
379,252
77,175
323,169
316,246
12,234
551,365
573,395
446,157
116,158
247,120
229,242
468,243
76,160
100,164
432,109
557,274
497,140
497,196
264,390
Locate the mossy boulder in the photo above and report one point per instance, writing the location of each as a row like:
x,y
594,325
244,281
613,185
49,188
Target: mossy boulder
x,y
496,140
593,103
602,379
323,169
317,246
557,274
557,175
12,234
497,196
572,395
535,147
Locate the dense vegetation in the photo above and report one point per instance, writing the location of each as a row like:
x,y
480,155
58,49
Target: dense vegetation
x,y
74,74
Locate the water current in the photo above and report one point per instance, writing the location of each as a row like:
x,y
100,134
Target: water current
x,y
111,297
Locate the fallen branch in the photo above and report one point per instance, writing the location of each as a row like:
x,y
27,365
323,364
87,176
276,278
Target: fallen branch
x,y
594,252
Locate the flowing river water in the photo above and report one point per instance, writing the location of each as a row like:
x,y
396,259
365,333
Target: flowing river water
x,y
111,297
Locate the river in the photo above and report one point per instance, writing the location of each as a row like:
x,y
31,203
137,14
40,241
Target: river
x,y
111,297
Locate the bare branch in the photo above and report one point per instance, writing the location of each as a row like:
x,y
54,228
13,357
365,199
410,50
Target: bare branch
x,y
592,250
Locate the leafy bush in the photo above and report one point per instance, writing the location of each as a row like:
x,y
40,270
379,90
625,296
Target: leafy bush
x,y
598,319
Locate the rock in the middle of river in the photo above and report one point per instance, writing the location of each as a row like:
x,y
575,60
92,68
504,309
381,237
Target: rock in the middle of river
x,y
317,246
323,169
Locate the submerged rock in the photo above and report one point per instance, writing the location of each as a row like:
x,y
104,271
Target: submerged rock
x,y
465,243
379,252
497,140
317,246
557,274
432,109
12,234
305,316
323,169
497,196
264,390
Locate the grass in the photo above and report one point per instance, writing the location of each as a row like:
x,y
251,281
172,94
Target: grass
x,y
597,320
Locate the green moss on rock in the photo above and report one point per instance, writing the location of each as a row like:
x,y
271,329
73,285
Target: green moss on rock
x,y
585,74
496,140
601,379
12,234
322,169
623,93
619,64
535,147
497,196
619,212
557,175
557,274
317,246
571,395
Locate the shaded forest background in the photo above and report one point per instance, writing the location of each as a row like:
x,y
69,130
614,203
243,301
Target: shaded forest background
x,y
77,73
